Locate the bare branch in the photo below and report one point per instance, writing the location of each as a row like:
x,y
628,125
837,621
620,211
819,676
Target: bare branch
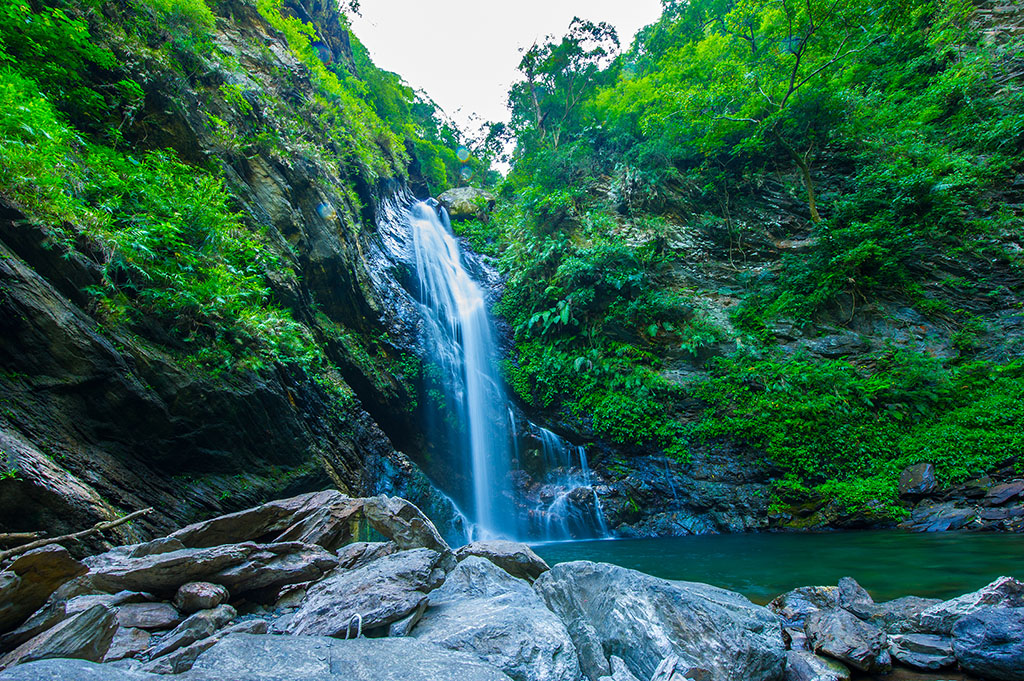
x,y
95,529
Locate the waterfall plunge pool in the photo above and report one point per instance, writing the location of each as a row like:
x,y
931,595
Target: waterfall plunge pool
x,y
887,563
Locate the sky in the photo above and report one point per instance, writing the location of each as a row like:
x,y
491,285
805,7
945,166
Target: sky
x,y
464,53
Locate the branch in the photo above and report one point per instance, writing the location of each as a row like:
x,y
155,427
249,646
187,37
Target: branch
x,y
15,537
95,529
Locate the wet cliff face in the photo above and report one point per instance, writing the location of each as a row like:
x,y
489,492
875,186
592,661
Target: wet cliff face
x,y
100,418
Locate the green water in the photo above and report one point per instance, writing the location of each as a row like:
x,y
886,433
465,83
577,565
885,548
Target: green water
x,y
888,564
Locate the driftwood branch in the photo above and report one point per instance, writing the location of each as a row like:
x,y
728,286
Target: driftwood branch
x,y
98,527
16,537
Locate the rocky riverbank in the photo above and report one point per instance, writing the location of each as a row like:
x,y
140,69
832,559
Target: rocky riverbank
x,y
324,586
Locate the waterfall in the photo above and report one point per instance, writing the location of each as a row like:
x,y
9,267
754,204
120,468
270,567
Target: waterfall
x,y
461,345
472,427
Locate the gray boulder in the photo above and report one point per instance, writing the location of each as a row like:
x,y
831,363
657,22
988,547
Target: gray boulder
x,y
360,553
483,610
990,643
840,635
381,592
30,579
73,670
918,481
404,524
940,618
897,616
923,651
794,607
236,566
182,659
245,657
322,518
85,636
802,665
196,627
467,203
195,596
609,610
517,559
151,616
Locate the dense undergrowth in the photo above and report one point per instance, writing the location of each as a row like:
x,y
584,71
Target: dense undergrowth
x,y
896,132
163,231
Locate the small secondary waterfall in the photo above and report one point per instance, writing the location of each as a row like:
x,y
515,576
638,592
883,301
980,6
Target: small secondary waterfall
x,y
460,338
564,516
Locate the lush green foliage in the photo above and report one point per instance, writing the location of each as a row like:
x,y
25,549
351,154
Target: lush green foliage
x,y
895,128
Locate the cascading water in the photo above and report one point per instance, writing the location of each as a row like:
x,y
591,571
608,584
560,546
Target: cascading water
x,y
473,429
569,482
460,339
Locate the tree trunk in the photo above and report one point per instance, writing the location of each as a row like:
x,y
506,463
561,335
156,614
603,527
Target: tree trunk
x,y
805,173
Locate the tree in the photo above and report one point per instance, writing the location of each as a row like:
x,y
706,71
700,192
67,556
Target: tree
x,y
559,76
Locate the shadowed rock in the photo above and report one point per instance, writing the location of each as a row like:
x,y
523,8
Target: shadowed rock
x,y
802,665
86,636
30,579
839,634
990,643
923,651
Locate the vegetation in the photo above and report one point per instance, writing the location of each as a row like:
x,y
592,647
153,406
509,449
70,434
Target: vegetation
x,y
894,131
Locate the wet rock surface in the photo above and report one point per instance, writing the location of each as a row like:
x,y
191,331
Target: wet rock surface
x,y
486,611
611,610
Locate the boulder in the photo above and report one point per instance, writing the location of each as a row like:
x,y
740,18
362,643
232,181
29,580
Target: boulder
x,y
195,596
609,610
73,670
275,565
360,553
990,643
327,519
481,609
247,657
182,659
940,517
86,636
127,642
840,635
922,651
404,524
517,559
381,592
802,665
897,616
940,618
794,607
150,616
57,610
1000,494
620,672
236,566
30,579
467,203
196,627
918,481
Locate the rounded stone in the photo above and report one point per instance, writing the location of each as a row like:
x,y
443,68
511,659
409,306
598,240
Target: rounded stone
x,y
195,596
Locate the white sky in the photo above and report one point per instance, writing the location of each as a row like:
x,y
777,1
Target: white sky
x,y
464,53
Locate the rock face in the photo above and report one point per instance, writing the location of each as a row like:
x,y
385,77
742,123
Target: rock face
x,y
840,635
990,643
73,670
301,658
30,580
196,627
922,651
467,203
381,592
404,524
517,559
918,481
151,616
610,610
483,610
